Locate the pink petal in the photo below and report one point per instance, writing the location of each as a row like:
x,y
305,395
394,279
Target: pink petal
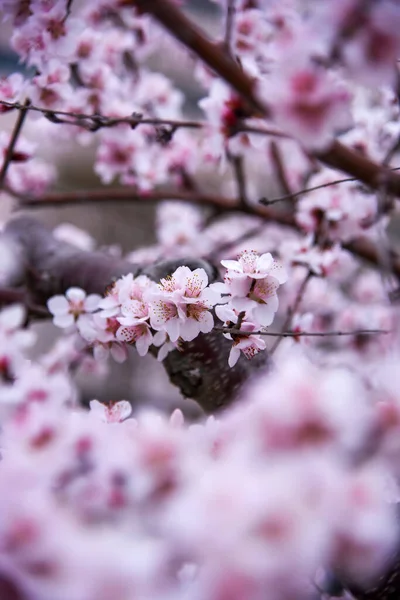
x,y
64,321
172,328
92,302
264,262
232,265
58,305
12,317
143,344
119,353
233,356
75,294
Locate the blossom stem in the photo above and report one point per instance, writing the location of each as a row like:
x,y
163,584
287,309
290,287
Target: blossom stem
x,y
229,22
293,308
294,195
337,156
361,247
295,334
13,141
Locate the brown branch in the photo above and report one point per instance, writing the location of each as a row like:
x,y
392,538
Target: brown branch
x,y
174,21
97,121
229,22
360,247
13,142
337,156
294,195
293,308
125,194
239,172
374,175
295,334
279,169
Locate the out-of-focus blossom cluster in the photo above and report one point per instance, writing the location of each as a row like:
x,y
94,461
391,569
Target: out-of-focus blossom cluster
x,y
251,504
138,311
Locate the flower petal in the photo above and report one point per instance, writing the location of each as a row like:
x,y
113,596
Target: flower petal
x,y
58,305
75,294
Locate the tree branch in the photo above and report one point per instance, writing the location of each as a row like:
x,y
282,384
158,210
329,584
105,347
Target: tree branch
x,y
338,156
360,247
13,142
174,21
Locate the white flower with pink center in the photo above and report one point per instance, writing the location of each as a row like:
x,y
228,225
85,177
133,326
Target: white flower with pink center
x,y
67,310
182,304
138,334
11,89
261,303
252,282
306,101
249,344
111,413
251,264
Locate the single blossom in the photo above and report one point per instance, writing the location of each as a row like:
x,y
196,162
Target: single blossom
x,y
67,310
112,413
244,342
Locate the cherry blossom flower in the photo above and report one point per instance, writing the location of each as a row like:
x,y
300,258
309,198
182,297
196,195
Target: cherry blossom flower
x,y
252,282
67,310
182,304
250,345
112,413
306,102
11,90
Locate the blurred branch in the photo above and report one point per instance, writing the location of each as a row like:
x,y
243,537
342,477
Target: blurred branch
x,y
237,163
293,307
13,142
361,247
296,334
229,22
96,121
336,156
278,163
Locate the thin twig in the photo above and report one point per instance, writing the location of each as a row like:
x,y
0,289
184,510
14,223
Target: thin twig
x,y
238,169
68,9
337,156
214,255
296,334
229,21
293,308
362,247
100,121
294,195
13,142
277,160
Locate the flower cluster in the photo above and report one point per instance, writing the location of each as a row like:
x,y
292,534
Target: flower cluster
x,y
250,285
138,311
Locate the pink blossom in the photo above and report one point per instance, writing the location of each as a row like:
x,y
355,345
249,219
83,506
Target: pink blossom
x,y
252,282
371,51
11,89
250,345
182,304
306,102
112,413
66,310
